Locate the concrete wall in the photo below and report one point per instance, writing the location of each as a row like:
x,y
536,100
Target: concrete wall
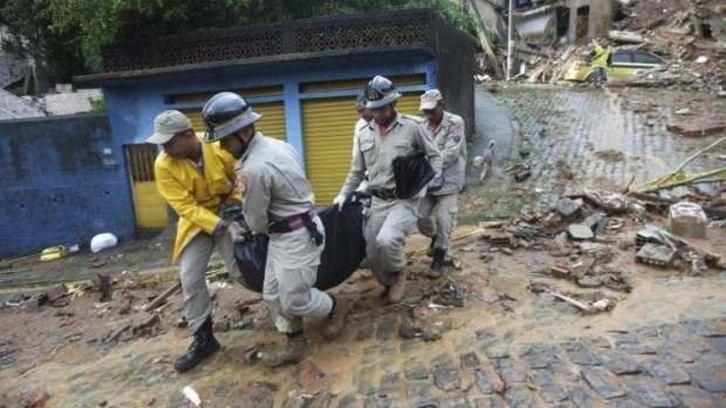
x,y
55,188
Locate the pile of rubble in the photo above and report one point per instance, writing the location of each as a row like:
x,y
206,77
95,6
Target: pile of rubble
x,y
689,35
586,231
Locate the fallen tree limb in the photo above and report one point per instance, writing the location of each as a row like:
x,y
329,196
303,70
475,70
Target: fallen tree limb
x,y
688,160
162,297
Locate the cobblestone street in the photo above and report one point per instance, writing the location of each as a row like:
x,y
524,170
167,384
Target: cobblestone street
x,y
662,345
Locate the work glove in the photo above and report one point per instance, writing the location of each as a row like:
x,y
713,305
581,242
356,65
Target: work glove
x,y
237,231
339,201
437,183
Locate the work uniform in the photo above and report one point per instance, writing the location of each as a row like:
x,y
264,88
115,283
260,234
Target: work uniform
x,y
438,209
391,220
196,192
271,177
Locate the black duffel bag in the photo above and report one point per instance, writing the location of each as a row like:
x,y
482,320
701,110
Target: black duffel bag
x,y
344,250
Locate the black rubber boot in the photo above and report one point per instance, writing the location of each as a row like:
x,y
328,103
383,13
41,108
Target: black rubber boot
x,y
431,250
203,346
437,265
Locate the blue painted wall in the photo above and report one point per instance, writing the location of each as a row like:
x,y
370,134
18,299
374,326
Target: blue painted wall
x,y
133,103
55,188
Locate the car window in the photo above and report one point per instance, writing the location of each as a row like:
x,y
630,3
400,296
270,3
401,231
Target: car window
x,y
621,57
645,58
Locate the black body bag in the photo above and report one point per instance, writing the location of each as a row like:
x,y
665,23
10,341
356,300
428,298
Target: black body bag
x,y
344,250
412,173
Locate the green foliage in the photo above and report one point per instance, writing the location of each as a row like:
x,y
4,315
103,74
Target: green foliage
x,y
28,21
68,31
97,105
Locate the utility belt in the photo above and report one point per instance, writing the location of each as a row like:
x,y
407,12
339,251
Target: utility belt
x,y
296,222
385,194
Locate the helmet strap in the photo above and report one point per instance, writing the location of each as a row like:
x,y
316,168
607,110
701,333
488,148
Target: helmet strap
x,y
242,142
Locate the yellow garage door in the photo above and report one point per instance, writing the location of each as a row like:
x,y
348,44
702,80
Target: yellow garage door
x,y
149,206
272,123
328,132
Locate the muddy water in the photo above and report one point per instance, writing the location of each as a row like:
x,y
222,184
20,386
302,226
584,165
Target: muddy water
x,y
139,373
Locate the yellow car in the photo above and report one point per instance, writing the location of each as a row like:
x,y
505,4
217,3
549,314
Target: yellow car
x,y
626,64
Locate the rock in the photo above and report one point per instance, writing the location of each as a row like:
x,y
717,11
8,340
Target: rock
x,y
590,248
603,382
36,399
583,357
430,333
385,329
509,372
415,370
671,375
520,396
125,305
549,389
618,362
697,128
31,305
310,378
408,329
589,282
484,382
568,208
447,379
469,360
709,379
389,385
144,320
498,350
580,232
649,393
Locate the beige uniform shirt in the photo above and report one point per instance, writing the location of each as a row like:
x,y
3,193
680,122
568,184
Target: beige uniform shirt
x,y
450,138
272,180
374,152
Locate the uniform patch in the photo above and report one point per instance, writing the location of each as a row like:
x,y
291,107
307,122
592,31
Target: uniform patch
x,y
242,183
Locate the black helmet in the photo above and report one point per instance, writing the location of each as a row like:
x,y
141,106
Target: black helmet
x,y
381,92
224,114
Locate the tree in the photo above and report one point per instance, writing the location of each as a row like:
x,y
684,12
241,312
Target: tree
x,y
57,55
65,33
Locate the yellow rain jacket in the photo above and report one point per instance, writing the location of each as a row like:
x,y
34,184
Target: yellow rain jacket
x,y
196,196
602,54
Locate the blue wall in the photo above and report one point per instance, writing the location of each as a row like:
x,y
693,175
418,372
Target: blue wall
x,y
133,103
55,188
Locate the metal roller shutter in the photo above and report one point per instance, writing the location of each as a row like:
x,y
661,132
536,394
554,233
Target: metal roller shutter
x,y
272,123
328,132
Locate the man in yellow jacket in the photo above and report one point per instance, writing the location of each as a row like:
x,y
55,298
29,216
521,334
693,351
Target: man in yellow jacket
x,y
196,178
600,62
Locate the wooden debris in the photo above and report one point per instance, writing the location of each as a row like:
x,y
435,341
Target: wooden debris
x,y
626,37
162,297
105,287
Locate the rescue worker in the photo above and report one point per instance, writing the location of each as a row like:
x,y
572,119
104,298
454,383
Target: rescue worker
x,y
391,219
364,116
601,59
196,179
439,208
278,201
